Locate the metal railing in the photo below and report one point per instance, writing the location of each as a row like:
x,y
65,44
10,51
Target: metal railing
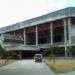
x,y
12,37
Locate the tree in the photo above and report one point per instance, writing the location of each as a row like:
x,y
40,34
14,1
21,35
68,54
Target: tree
x,y
14,55
50,52
46,52
72,51
2,52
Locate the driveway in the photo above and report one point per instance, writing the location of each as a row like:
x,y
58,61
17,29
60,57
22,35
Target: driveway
x,y
26,67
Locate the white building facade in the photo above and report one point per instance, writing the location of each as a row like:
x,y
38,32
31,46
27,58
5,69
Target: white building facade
x,y
55,29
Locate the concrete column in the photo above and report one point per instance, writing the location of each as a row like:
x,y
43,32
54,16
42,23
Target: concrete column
x,y
24,37
36,36
65,37
69,33
51,33
14,34
66,52
69,30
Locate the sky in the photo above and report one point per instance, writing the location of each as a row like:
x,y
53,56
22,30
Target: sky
x,y
14,11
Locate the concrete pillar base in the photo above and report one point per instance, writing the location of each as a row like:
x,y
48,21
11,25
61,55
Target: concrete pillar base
x,y
20,54
66,51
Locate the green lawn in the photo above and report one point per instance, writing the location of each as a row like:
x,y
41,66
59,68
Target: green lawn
x,y
62,65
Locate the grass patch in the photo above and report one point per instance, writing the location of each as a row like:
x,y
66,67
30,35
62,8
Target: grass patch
x,y
61,65
5,62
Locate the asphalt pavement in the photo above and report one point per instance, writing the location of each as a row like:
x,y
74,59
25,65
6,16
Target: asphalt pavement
x,y
26,67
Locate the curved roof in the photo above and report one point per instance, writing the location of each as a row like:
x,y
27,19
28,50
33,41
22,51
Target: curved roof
x,y
63,13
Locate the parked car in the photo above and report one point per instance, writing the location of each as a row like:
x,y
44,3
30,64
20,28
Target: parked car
x,y
38,57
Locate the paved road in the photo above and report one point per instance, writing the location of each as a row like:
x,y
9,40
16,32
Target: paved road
x,y
26,67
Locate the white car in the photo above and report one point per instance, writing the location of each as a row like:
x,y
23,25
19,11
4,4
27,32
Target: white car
x,y
38,57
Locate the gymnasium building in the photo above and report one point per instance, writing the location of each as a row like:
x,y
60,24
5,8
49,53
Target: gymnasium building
x,y
34,35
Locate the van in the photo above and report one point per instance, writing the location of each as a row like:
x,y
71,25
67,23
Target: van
x,y
38,57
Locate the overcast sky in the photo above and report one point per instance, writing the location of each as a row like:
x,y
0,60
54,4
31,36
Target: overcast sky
x,y
13,11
